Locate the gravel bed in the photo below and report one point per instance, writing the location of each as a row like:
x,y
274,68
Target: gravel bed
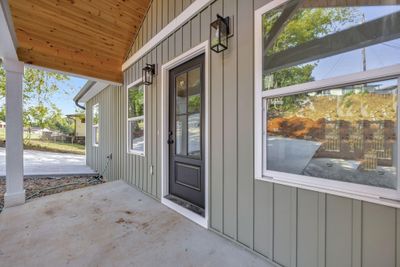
x,y
37,187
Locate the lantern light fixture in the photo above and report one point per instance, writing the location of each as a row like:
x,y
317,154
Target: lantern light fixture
x,y
148,73
219,33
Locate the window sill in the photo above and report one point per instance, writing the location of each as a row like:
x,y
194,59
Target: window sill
x,y
136,153
333,191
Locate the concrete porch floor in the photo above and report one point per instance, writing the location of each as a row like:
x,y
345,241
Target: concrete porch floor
x,y
111,224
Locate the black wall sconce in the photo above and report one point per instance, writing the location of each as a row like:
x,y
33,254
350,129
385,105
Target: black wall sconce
x,y
148,73
219,34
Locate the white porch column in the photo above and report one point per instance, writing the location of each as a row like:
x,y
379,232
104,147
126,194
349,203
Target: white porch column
x,y
15,193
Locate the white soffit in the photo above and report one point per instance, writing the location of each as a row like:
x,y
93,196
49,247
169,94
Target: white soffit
x,y
7,49
93,91
187,14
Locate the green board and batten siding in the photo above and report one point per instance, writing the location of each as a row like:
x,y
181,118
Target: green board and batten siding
x,y
290,226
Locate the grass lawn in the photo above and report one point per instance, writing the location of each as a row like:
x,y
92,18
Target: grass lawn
x,y
36,144
55,147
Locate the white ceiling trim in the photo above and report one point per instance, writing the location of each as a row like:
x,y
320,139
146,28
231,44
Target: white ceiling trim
x,y
187,14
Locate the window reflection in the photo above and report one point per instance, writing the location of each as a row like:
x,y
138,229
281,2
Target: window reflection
x,y
307,41
346,134
137,135
136,119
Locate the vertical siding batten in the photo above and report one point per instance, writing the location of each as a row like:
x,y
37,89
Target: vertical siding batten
x,y
230,129
245,123
216,138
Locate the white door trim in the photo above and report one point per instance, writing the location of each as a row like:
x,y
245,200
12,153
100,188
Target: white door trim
x,y
192,53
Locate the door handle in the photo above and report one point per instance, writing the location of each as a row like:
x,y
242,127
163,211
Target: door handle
x,y
170,140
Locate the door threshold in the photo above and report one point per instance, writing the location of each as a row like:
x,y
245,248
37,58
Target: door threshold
x,y
191,215
186,204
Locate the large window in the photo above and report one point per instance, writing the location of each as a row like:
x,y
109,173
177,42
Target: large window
x,y
327,82
95,125
136,119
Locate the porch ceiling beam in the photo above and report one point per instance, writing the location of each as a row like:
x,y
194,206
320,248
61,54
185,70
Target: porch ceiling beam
x,y
370,33
279,25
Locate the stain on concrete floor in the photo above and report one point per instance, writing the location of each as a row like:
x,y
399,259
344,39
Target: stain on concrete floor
x,y
111,224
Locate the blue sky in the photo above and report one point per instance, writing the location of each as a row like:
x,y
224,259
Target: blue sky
x,y
377,56
64,101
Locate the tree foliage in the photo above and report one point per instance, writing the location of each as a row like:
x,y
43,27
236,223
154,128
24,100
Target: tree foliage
x,y
38,90
136,102
306,25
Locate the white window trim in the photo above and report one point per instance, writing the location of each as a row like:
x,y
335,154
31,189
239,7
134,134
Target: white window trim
x,y
143,117
94,126
389,197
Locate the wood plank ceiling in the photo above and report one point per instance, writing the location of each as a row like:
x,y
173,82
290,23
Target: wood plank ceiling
x,y
84,37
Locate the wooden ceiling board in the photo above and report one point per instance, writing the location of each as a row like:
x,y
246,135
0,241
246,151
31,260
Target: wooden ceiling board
x,y
60,33
83,37
72,66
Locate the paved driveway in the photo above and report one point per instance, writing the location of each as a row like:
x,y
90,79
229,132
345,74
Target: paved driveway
x,y
39,163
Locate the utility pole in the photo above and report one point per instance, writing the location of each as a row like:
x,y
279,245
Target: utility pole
x,y
364,56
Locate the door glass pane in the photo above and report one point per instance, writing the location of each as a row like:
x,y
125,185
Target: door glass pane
x,y
137,135
181,96
194,132
181,135
194,91
347,134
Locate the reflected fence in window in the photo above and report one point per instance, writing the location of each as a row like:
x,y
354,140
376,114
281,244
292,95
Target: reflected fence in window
x,y
347,134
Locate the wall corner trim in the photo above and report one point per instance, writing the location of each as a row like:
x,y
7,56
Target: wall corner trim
x,y
187,14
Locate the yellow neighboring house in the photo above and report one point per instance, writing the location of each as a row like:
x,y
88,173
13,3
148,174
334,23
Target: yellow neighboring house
x,y
79,128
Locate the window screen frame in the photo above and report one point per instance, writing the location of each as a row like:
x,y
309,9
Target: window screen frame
x,y
347,189
137,83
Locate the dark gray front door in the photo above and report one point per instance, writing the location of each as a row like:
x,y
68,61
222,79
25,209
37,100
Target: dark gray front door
x,y
186,132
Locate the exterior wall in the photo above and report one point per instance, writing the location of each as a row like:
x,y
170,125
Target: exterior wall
x,y
110,136
80,128
289,226
160,13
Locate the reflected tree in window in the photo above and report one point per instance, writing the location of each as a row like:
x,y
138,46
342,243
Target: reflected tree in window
x,y
294,25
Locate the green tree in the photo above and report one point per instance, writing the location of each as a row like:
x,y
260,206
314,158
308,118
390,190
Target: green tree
x,y
2,83
56,121
136,101
39,88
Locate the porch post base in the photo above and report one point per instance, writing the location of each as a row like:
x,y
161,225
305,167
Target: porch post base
x,y
14,199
